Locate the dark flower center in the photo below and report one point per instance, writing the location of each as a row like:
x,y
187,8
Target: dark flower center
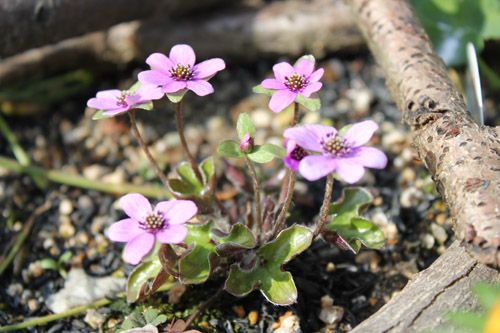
x,y
121,100
335,145
298,153
153,222
295,82
181,72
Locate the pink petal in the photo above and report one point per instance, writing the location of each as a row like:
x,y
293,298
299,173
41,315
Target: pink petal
x,y
154,77
136,206
369,157
174,86
360,133
311,88
124,230
103,104
200,87
177,211
282,70
291,163
111,113
182,54
112,94
316,75
273,84
309,136
314,167
304,67
281,99
138,248
208,68
133,100
149,92
174,234
349,171
159,62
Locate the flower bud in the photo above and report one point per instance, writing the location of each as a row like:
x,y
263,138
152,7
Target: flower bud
x,y
246,144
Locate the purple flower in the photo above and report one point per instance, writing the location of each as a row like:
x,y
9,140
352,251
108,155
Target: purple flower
x,y
289,82
115,101
344,154
178,72
247,143
294,154
164,223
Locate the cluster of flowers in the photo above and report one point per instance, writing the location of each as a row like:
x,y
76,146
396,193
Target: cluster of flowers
x,y
315,151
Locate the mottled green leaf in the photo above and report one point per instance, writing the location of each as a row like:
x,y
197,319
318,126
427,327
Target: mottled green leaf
x,y
140,276
239,238
261,90
266,153
229,148
245,126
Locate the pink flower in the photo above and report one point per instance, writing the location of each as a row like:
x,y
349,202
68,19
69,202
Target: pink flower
x,y
294,154
344,154
178,72
247,143
145,226
115,101
289,82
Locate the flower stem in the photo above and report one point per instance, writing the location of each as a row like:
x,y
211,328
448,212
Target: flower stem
x,y
256,191
180,128
323,214
200,308
145,148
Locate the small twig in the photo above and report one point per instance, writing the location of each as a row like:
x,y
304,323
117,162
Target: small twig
x,y
61,177
57,316
256,192
200,308
146,150
284,189
180,129
23,235
323,214
280,220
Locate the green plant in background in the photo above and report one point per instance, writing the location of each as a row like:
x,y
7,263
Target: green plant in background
x,y
59,264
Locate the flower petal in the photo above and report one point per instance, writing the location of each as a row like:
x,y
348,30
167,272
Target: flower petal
x,y
349,171
138,248
369,157
182,54
124,230
281,99
112,94
311,88
136,206
360,133
314,167
208,68
174,86
273,84
291,163
177,211
200,87
103,104
111,113
149,92
281,70
174,234
154,77
159,62
316,76
304,67
309,136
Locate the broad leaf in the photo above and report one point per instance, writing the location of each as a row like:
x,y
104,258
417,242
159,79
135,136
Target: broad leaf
x,y
309,57
142,275
240,238
207,168
265,272
99,114
266,153
261,90
145,106
310,103
245,126
176,97
229,148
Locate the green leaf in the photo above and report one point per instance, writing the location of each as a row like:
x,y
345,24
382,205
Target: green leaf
x,y
467,320
310,103
176,97
267,274
145,106
344,129
99,115
352,228
309,57
139,278
266,153
245,126
239,238
65,257
161,319
150,315
229,148
135,87
488,294
49,263
207,168
261,90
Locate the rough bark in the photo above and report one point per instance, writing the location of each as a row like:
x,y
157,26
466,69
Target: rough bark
x,y
26,24
463,157
432,293
237,34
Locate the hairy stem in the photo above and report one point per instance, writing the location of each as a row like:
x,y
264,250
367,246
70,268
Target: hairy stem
x,y
180,129
256,191
200,308
323,214
145,148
